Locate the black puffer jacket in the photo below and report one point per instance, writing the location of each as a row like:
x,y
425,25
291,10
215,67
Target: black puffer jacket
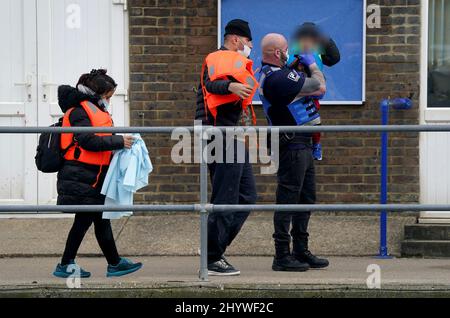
x,y
75,179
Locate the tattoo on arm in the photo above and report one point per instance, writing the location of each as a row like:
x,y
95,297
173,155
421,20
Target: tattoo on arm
x,y
314,84
317,74
311,85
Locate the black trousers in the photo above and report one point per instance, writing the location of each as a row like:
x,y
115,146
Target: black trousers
x,y
296,185
232,183
103,233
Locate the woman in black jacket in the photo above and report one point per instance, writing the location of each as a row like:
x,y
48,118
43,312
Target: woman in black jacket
x,y
81,183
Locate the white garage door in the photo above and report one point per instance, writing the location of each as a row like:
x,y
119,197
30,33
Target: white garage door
x,y
46,43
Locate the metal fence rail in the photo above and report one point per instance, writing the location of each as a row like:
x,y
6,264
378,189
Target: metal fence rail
x,y
209,208
281,129
203,208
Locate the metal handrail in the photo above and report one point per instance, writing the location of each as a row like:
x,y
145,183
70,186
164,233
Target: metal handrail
x,y
203,207
227,207
281,129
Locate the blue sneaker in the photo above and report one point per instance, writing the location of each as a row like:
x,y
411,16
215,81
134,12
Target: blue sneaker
x,y
317,152
70,270
124,267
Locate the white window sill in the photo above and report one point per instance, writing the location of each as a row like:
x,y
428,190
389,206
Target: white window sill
x,y
438,114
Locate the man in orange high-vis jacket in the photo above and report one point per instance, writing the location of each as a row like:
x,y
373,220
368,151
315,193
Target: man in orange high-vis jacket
x,y
224,65
227,85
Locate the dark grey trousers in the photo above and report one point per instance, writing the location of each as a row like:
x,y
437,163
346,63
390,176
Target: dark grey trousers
x,y
296,185
232,183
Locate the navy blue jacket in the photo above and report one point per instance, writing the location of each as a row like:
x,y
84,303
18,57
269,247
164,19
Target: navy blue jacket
x,y
280,89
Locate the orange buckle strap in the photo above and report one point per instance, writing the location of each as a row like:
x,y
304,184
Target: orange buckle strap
x,y
99,173
98,177
202,83
253,114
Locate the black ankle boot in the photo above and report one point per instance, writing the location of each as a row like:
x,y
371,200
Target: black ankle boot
x,y
312,260
288,263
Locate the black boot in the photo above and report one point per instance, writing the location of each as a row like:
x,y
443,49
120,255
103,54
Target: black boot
x,y
288,263
313,261
284,261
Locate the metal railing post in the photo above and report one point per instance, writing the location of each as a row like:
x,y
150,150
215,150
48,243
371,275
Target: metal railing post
x,y
203,275
383,253
399,104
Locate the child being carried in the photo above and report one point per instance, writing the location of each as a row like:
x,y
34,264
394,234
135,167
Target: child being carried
x,y
309,39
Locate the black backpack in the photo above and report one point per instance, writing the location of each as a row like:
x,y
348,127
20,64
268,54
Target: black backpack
x,y
49,155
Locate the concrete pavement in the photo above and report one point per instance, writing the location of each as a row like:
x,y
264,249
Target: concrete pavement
x,y
177,277
178,234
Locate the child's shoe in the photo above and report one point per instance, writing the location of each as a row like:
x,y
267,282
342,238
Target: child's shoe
x,y
317,152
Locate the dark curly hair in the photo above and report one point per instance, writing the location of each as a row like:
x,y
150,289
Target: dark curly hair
x,y
98,81
308,29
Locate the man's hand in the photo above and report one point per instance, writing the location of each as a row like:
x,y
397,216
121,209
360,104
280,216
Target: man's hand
x,y
241,90
307,60
294,63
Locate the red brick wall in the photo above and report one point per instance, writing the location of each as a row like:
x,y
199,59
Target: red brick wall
x,y
168,41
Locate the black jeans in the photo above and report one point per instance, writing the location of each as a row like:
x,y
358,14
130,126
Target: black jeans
x,y
296,185
232,183
103,233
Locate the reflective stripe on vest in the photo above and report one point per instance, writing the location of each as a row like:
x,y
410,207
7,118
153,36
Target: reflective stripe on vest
x,y
98,118
303,110
223,65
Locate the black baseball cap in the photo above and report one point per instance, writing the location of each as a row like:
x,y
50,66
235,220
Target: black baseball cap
x,y
238,27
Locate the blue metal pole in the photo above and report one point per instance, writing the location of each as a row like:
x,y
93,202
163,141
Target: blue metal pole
x,y
384,179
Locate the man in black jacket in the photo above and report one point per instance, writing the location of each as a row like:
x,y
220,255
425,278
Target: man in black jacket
x,y
237,38
232,183
282,87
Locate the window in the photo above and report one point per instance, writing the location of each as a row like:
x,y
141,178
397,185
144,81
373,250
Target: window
x,y
439,54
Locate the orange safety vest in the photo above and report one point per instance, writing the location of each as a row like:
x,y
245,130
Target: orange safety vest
x,y
223,65
98,118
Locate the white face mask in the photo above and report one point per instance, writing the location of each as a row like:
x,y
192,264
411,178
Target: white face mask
x,y
247,50
105,104
286,55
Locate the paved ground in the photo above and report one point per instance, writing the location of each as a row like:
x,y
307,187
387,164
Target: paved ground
x,y
177,276
178,234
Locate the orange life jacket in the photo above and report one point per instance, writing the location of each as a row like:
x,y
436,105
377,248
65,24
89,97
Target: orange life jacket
x,y
223,65
98,118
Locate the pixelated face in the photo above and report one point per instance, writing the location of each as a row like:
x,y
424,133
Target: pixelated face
x,y
308,43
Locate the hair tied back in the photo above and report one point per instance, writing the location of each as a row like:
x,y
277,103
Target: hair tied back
x,y
95,72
